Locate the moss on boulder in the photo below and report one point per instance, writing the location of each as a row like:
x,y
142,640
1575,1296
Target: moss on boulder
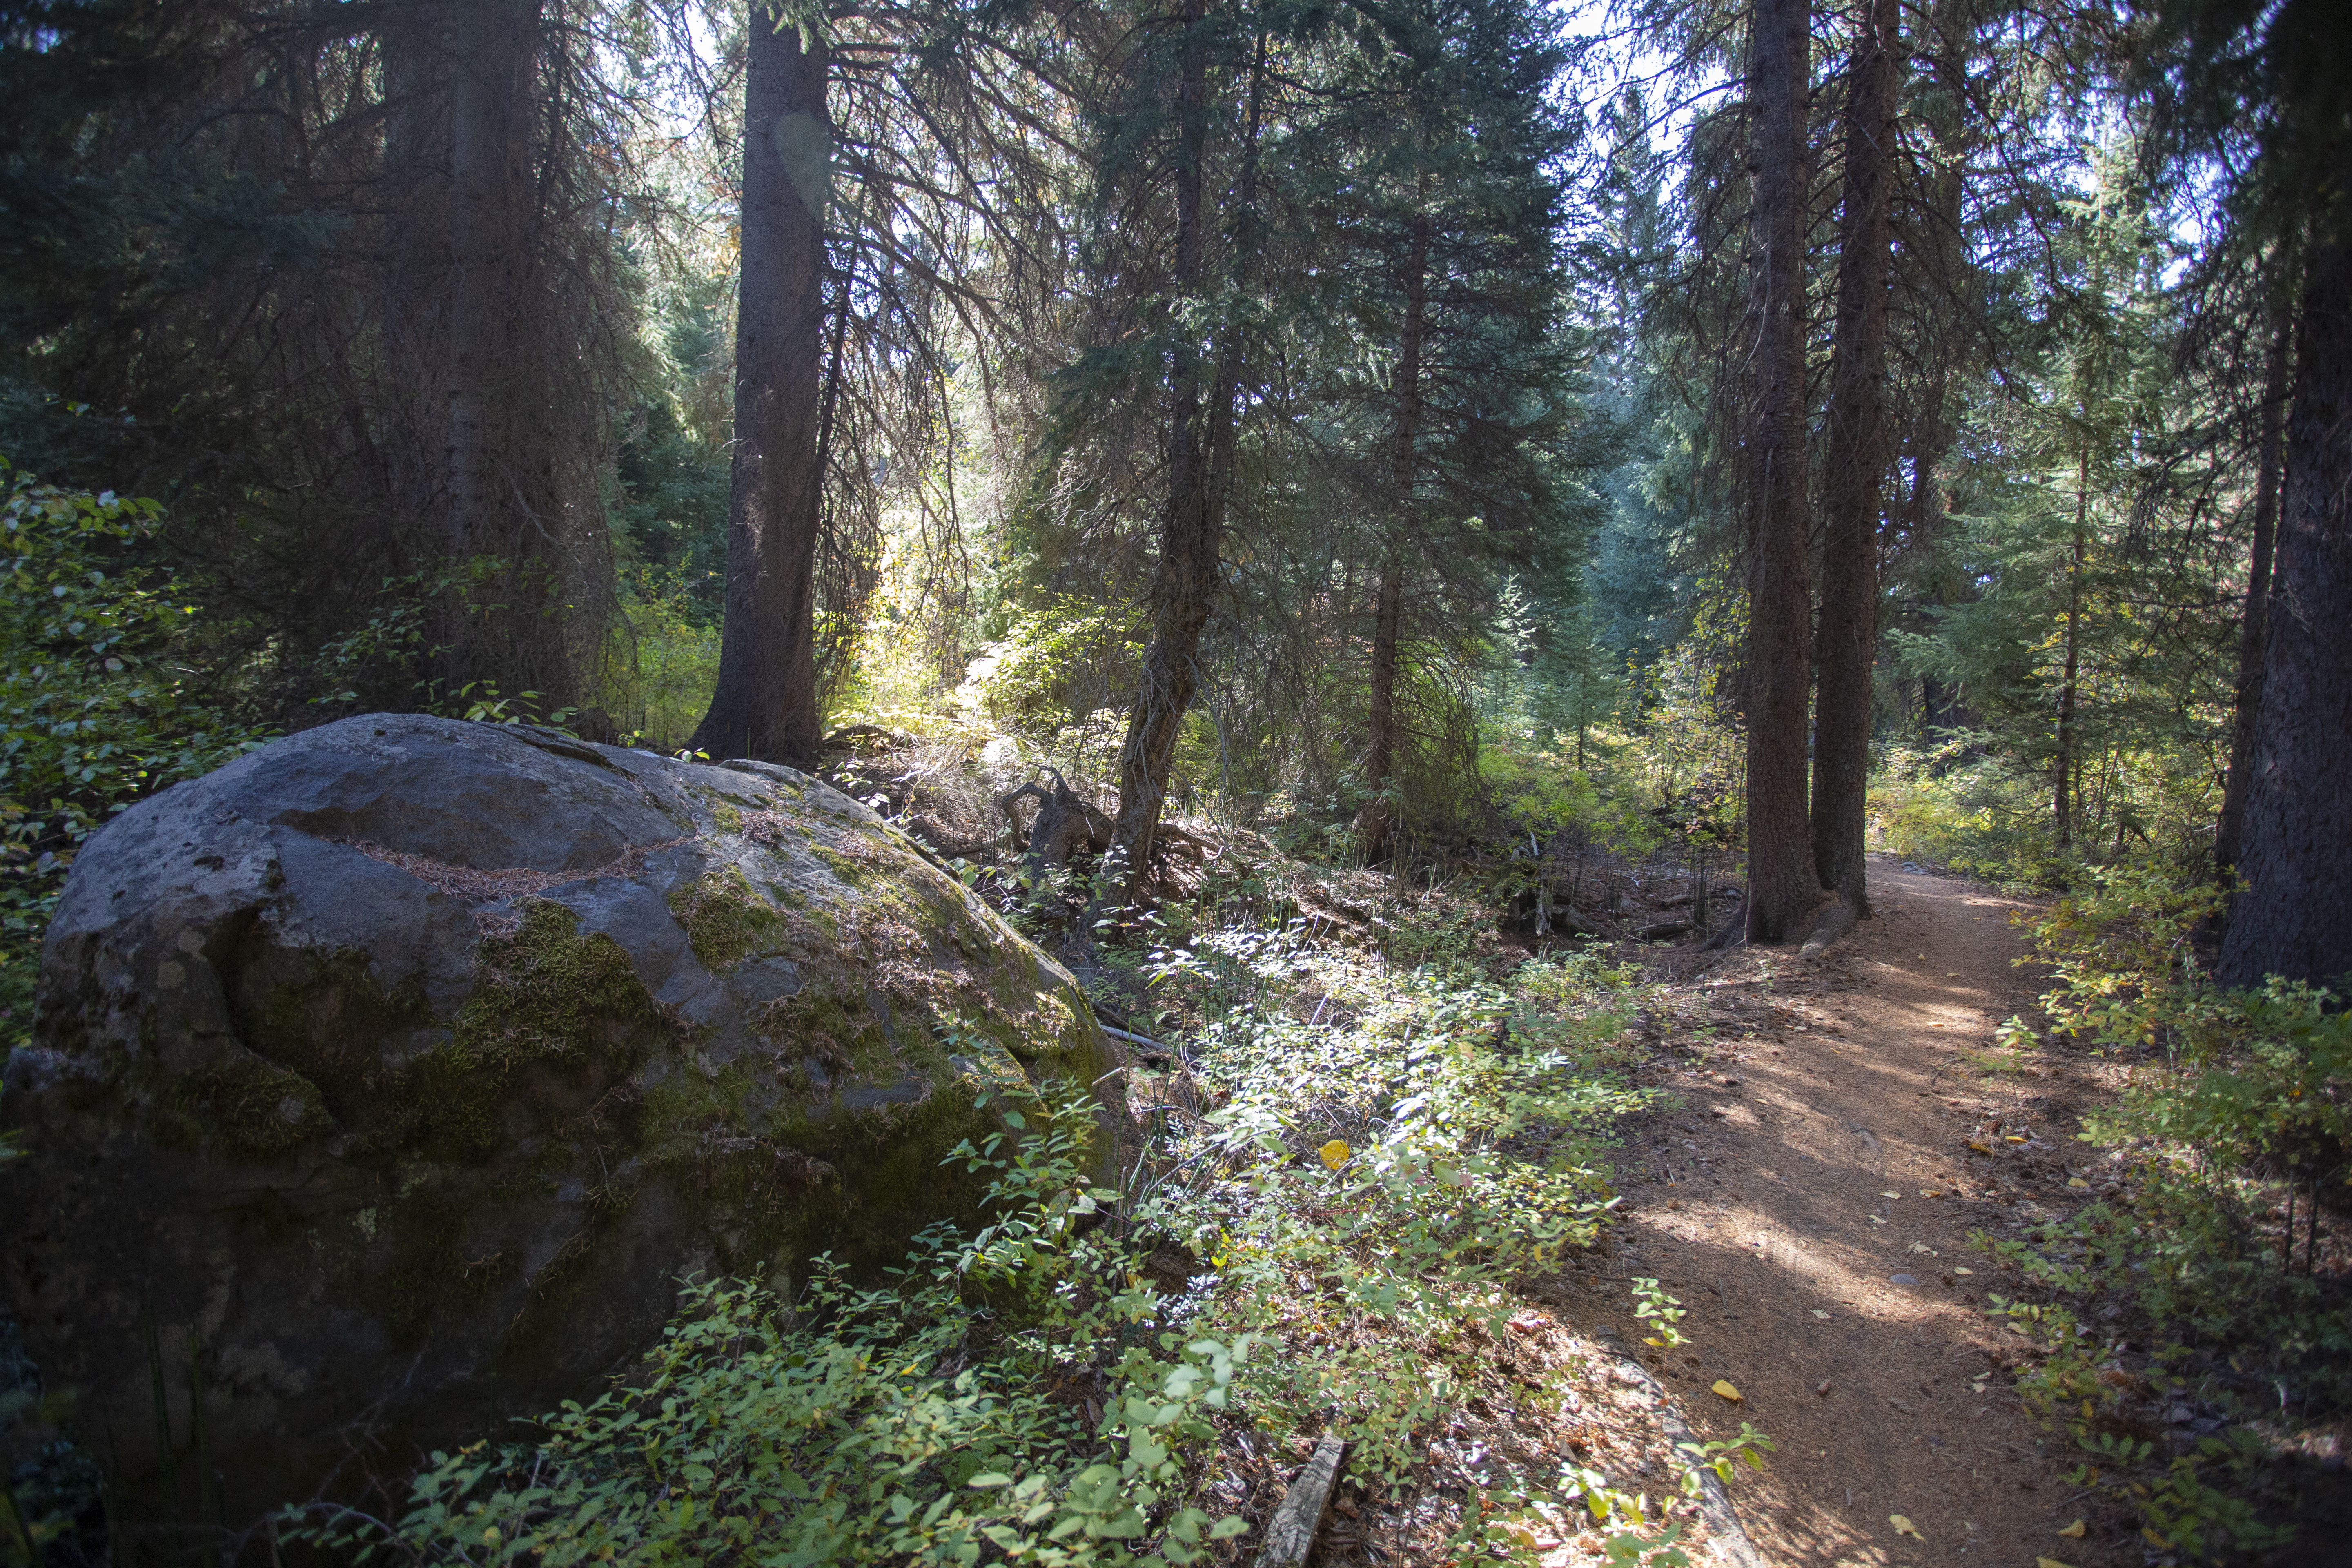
x,y
395,1073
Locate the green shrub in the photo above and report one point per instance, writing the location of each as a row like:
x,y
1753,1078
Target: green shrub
x,y
96,707
1362,1195
915,1424
1059,665
1953,807
2233,1100
661,664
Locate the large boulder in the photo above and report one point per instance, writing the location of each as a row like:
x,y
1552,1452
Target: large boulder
x,y
388,1079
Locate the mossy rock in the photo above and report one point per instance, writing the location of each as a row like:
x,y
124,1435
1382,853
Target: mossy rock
x,y
393,1075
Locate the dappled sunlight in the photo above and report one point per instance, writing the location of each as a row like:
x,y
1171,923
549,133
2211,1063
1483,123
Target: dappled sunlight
x,y
1811,1202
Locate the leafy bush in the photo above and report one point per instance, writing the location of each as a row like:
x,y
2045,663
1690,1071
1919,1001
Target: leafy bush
x,y
909,1424
96,707
1058,666
1951,806
1362,1192
2233,1098
662,663
1369,1188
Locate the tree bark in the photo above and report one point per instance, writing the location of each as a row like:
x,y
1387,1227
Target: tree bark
x,y
2228,830
2295,917
501,563
1854,465
489,77
1782,887
764,705
1388,620
2070,684
1201,454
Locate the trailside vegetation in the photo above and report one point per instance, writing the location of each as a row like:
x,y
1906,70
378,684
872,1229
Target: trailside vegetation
x,y
1521,459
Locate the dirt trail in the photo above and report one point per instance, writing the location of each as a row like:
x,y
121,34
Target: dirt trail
x,y
1820,1159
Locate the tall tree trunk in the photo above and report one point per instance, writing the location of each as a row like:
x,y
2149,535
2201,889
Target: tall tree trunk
x,y
2251,633
414,305
1854,465
2070,685
765,703
2294,917
1388,620
1782,887
493,52
1201,456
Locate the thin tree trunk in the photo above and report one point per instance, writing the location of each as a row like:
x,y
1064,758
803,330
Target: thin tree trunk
x,y
1939,705
1201,456
1782,887
2294,917
765,703
2228,831
1380,756
1854,465
2064,807
1388,620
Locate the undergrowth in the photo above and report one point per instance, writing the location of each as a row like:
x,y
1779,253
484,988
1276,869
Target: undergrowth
x,y
1354,1162
2235,1110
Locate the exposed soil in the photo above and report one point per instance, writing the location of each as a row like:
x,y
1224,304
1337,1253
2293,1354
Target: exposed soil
x,y
1811,1204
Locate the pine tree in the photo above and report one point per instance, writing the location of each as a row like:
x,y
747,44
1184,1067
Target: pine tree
x,y
2272,86
765,703
1783,881
1854,460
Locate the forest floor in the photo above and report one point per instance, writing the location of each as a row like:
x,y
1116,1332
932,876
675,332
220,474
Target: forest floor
x,y
1811,1202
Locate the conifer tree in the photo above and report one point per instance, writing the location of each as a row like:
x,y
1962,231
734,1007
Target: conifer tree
x,y
1782,880
1854,459
2272,86
765,703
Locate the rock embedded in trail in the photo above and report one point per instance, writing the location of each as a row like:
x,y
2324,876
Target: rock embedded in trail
x,y
396,1072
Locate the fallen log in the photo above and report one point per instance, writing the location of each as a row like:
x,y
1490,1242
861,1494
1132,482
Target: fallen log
x,y
1290,1534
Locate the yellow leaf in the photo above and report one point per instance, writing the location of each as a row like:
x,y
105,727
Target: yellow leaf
x,y
2086,1410
2017,1138
1727,1391
2048,1563
1979,1148
1654,1340
1905,1526
1334,1154
2075,1532
2159,1543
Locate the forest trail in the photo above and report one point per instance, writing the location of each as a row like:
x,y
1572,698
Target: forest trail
x,y
1819,1162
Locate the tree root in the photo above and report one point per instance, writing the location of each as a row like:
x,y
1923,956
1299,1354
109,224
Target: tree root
x,y
1837,919
1064,824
